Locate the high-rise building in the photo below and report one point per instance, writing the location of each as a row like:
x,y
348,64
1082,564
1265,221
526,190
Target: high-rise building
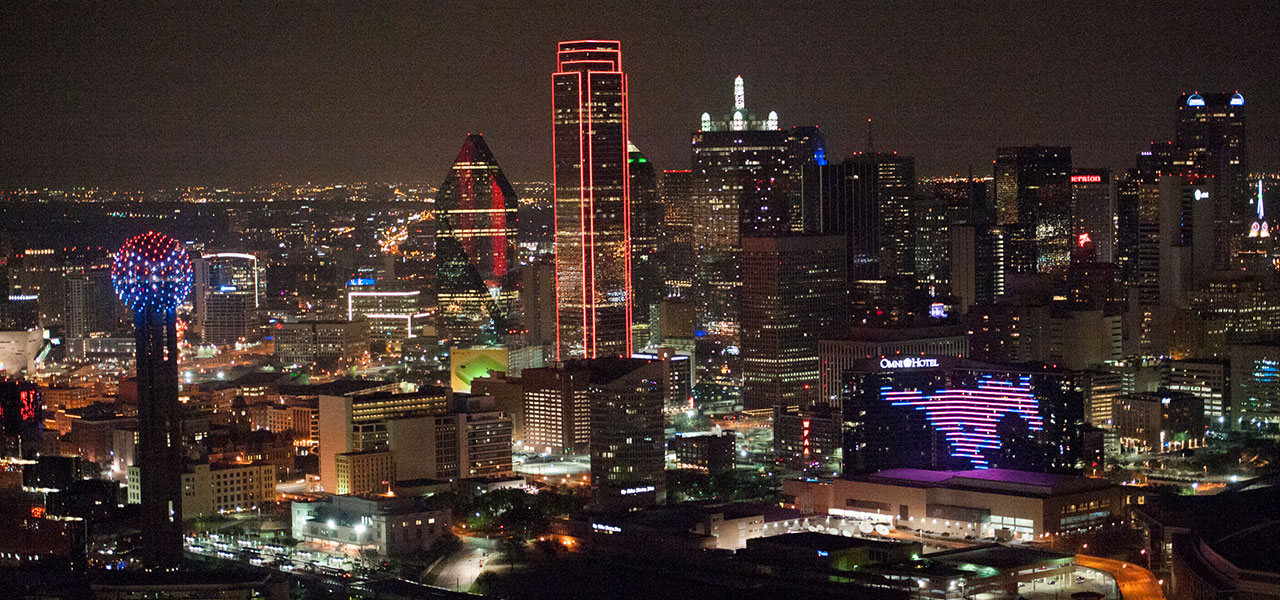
x,y
475,252
152,274
1210,142
306,342
1093,210
977,416
647,277
1255,388
628,448
977,263
739,164
677,250
806,145
227,294
352,430
557,409
790,286
90,308
593,201
1033,204
393,315
867,199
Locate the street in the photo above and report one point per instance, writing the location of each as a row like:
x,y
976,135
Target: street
x,y
1136,583
459,571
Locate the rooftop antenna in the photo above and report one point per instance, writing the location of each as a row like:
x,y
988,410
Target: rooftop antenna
x,y
871,147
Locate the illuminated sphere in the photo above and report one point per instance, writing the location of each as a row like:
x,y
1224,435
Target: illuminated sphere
x,y
151,271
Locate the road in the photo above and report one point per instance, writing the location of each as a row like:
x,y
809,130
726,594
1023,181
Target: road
x,y
459,570
1136,583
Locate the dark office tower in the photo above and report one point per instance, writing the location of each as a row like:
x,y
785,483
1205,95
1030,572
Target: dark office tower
x,y
867,199
536,227
593,201
977,259
646,238
1093,211
791,290
628,456
737,166
677,248
805,146
1159,160
152,274
475,252
1033,203
1127,236
1210,138
895,192
90,305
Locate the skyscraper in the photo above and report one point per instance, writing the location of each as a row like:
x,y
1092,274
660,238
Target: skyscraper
x,y
593,201
867,199
646,235
677,248
791,289
475,248
1210,141
152,274
739,163
1093,210
1033,204
628,448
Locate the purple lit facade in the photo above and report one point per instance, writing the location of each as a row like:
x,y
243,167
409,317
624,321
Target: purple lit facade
x,y
970,418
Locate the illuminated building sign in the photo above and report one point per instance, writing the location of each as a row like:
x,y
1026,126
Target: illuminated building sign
x,y
602,528
637,490
1083,239
908,363
969,418
1086,179
1201,195
938,310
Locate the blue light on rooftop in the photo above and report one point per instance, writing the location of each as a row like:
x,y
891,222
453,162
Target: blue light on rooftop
x,y
1196,100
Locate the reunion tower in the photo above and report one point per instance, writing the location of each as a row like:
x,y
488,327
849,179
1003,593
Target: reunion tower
x,y
152,274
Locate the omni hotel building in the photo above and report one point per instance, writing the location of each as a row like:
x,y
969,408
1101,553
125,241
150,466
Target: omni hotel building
x,y
943,412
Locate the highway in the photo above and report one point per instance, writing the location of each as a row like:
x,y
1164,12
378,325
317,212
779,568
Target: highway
x,y
1136,583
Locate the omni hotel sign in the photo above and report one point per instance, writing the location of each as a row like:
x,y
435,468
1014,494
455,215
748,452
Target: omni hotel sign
x,y
908,363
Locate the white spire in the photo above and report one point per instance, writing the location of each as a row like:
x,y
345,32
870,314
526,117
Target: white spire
x,y
739,94
1262,213
706,121
772,122
738,123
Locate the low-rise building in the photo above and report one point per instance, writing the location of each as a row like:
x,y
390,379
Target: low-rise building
x,y
217,489
384,524
987,503
712,452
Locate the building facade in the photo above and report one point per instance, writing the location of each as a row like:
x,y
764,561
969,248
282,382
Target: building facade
x,y
593,201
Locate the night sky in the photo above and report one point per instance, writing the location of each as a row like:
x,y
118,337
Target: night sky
x,y
233,94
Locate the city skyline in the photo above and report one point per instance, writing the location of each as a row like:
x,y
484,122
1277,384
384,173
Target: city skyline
x,y
310,96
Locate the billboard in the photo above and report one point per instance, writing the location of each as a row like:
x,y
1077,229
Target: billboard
x,y
466,364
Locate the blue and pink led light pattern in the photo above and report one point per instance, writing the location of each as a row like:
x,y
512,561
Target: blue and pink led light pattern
x,y
968,418
151,271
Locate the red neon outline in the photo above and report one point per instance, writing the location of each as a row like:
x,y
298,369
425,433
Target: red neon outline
x,y
555,209
586,189
590,341
626,207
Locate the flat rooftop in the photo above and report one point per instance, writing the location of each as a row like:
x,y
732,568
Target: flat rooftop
x,y
989,480
822,541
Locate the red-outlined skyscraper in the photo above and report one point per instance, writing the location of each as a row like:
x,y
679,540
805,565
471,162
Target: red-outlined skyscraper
x,y
592,201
